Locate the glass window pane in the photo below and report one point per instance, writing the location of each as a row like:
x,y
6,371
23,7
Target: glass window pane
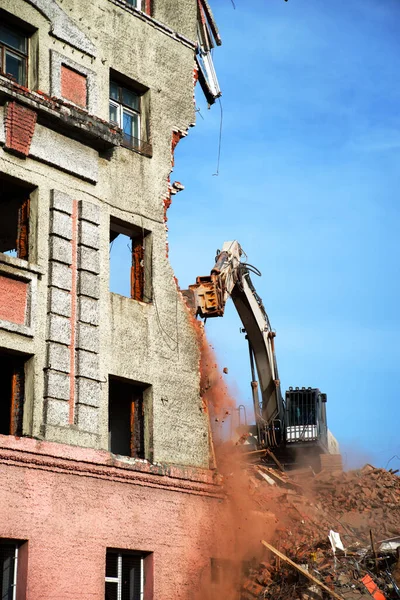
x,y
15,66
131,584
111,591
111,565
113,91
7,562
130,99
114,113
130,126
12,39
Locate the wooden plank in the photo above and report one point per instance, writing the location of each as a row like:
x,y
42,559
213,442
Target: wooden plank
x,y
276,461
267,478
279,479
374,551
301,570
253,455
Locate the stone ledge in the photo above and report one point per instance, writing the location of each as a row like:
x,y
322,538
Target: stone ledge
x,y
20,264
64,118
31,453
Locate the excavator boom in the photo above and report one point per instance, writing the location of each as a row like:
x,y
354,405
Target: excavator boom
x,y
294,424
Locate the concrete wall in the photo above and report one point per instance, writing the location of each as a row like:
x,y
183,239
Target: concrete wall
x,y
79,332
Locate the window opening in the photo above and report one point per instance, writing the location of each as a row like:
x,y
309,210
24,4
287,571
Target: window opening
x,y
14,218
124,578
126,418
12,394
13,54
8,569
130,261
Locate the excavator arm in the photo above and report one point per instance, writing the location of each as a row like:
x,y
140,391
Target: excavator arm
x,y
230,277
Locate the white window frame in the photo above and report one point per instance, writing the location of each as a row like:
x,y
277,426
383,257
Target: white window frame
x,y
136,4
121,108
118,579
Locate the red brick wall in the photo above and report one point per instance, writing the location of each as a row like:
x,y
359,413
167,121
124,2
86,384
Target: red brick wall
x,y
13,296
20,127
73,86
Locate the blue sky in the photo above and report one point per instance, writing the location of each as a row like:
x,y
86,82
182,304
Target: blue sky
x,y
308,184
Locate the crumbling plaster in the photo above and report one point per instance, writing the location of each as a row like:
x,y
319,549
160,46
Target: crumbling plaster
x,y
151,343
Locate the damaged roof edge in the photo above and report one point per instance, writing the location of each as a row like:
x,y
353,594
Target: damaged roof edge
x,y
211,21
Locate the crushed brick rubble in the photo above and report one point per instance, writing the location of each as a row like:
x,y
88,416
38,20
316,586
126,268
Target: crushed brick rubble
x,y
304,508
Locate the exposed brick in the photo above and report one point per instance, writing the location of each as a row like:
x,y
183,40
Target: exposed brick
x,y
20,126
73,86
13,299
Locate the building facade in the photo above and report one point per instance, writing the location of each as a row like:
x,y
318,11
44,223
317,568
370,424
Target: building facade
x,y
106,485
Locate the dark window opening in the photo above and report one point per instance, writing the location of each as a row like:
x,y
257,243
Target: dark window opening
x,y
14,217
12,394
14,53
8,567
130,261
128,107
126,575
126,418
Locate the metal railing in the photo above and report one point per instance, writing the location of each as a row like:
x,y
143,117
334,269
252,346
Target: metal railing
x,y
137,144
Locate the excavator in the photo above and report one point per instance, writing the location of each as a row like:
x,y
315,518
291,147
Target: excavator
x,y
294,426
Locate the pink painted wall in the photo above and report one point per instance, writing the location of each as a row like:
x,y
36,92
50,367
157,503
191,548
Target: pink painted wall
x,y
71,504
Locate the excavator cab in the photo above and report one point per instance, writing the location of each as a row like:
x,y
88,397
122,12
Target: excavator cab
x,y
305,417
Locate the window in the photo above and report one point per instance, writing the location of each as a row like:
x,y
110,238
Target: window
x,y
9,558
207,34
14,217
135,3
12,394
14,54
130,261
126,572
127,111
126,418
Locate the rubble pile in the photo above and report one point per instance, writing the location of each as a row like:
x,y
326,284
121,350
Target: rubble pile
x,y
334,535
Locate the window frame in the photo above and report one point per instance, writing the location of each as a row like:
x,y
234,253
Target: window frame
x,y
122,107
118,580
135,4
4,48
13,585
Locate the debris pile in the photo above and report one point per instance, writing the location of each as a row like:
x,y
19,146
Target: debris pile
x,y
335,535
